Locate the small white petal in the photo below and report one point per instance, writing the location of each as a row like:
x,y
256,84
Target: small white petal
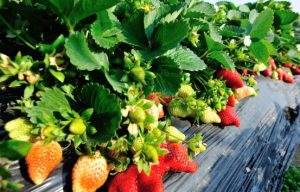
x,y
133,129
247,41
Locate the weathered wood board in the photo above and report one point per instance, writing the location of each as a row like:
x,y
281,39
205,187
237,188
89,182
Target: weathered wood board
x,y
251,158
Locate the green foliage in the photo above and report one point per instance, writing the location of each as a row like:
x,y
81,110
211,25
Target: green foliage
x,y
13,149
106,117
168,76
82,57
291,179
106,30
262,24
186,59
223,59
52,100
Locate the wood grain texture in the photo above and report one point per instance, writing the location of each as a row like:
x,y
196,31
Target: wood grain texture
x,y
251,158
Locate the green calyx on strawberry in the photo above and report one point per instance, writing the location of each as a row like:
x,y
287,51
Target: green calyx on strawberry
x,y
186,91
150,153
174,135
19,129
77,126
137,115
138,74
196,145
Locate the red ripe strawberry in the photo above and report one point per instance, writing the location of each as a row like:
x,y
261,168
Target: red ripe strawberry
x,y
296,70
133,181
232,78
288,78
267,72
42,159
232,101
272,64
150,183
125,182
162,167
229,117
178,158
288,65
281,73
89,173
153,97
244,72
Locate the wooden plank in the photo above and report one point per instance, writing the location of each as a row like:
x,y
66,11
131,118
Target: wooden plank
x,y
252,158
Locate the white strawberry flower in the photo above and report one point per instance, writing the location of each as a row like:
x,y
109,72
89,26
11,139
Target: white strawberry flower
x,y
298,47
247,41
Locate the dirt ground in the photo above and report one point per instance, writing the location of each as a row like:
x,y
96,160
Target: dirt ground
x,y
296,159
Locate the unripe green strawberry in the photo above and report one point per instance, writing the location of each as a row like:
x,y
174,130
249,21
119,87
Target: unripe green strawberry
x,y
202,148
186,91
138,74
150,153
151,126
48,130
77,126
178,108
209,116
19,129
138,115
137,144
156,132
174,135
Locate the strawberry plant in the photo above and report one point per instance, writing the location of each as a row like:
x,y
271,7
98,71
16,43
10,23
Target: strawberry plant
x,y
107,76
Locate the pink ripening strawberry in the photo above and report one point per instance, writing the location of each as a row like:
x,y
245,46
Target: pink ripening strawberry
x,y
232,78
229,117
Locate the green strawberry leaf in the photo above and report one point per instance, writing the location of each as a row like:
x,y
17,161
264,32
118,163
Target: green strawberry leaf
x,y
222,58
82,57
213,45
168,76
74,11
134,33
86,8
186,59
58,75
231,30
168,35
114,78
14,150
260,51
284,17
262,24
107,111
52,100
106,30
200,9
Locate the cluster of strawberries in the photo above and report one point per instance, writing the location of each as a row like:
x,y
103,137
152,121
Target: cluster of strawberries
x,y
284,73
233,80
132,180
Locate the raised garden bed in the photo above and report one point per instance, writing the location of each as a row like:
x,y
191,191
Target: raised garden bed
x,y
251,158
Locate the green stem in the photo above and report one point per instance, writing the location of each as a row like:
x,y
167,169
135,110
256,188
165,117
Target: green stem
x,y
68,23
87,144
204,54
16,34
